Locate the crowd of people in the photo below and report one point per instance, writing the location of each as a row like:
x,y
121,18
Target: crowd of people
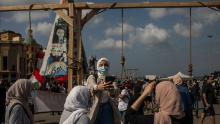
x,y
103,101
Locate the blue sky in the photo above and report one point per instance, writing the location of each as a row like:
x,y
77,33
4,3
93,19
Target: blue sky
x,y
156,40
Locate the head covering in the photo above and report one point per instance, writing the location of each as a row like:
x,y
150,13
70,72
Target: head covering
x,y
20,92
98,62
150,77
177,79
102,59
77,102
169,100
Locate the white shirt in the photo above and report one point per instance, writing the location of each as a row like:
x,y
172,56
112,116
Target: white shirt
x,y
123,103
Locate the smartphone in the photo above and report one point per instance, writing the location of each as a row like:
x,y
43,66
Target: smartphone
x,y
109,79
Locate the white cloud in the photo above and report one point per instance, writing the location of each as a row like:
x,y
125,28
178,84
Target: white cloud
x,y
41,28
149,35
206,16
158,13
110,43
178,11
183,30
196,29
199,15
116,31
97,19
24,16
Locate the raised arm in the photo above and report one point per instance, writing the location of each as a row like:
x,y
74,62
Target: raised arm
x,y
147,91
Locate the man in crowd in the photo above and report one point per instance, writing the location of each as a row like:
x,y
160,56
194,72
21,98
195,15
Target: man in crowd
x,y
123,103
195,94
208,98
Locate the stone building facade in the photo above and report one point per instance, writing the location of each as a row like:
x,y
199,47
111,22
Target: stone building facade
x,y
17,56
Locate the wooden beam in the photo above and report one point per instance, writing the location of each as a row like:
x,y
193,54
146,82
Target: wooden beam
x,y
35,7
88,16
65,17
111,5
146,5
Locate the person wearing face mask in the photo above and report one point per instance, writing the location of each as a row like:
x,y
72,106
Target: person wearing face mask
x,y
18,111
104,110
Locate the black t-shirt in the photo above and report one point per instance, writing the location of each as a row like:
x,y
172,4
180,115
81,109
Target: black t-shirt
x,y
210,93
133,117
195,90
132,100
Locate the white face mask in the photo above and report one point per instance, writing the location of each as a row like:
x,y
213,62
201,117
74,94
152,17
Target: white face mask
x,y
103,70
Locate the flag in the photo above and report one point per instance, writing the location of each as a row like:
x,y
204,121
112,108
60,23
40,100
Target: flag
x,y
37,79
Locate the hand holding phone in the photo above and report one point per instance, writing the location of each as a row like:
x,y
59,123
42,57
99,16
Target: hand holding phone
x,y
110,79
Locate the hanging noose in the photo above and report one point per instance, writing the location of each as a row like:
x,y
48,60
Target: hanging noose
x,y
30,36
122,62
30,39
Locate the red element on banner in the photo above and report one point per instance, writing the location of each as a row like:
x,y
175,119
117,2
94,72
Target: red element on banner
x,y
62,80
38,76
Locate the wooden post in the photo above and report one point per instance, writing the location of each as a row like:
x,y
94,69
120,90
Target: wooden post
x,y
70,49
79,48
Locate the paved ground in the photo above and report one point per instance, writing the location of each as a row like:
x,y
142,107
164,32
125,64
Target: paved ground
x,y
48,118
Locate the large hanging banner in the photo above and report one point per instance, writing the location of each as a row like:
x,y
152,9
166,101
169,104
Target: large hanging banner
x,y
47,101
55,59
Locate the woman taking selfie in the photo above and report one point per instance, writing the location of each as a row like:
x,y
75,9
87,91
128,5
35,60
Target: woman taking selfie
x,y
104,110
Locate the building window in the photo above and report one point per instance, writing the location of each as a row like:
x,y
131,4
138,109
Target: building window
x,y
13,68
5,77
5,62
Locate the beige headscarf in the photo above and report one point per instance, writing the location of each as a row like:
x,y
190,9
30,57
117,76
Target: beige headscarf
x,y
98,63
19,92
177,79
102,59
169,100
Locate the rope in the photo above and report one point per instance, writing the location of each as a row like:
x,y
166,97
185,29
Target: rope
x,y
122,45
